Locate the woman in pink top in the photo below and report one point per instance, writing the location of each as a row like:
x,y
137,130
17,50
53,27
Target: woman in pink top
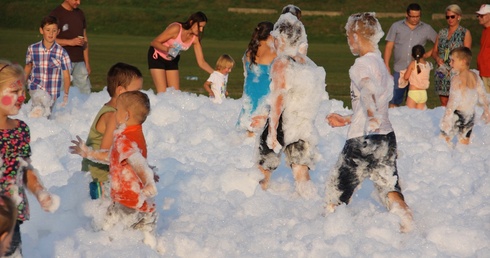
x,y
163,55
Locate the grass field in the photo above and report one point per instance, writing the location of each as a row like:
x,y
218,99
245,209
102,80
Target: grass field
x,y
121,30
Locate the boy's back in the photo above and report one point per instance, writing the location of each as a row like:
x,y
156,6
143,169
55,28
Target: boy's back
x,y
466,90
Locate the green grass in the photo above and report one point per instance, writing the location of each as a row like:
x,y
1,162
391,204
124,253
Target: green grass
x,y
121,30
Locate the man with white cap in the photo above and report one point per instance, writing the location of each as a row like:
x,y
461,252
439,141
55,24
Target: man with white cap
x,y
483,59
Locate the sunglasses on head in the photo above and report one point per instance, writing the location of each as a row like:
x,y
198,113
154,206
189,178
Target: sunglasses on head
x,y
450,16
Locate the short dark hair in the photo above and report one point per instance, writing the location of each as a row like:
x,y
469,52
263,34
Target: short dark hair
x,y
121,74
48,20
413,7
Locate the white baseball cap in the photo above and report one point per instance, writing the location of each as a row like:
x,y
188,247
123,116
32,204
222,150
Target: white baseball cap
x,y
484,9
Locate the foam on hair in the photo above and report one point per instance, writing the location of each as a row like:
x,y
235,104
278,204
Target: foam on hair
x,y
365,25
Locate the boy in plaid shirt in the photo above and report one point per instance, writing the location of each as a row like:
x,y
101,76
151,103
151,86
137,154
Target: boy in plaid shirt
x,y
47,68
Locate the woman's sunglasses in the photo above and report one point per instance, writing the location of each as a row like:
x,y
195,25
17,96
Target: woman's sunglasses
x,y
450,16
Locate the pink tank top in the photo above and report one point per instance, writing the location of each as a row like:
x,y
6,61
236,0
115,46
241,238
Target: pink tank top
x,y
177,40
422,79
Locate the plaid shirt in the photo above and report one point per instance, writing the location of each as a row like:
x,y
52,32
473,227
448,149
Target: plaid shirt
x,y
47,67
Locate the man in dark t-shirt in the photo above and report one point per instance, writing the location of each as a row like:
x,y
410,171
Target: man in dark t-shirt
x,y
73,37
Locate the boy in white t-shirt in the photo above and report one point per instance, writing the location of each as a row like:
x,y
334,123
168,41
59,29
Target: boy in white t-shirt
x,y
215,85
370,150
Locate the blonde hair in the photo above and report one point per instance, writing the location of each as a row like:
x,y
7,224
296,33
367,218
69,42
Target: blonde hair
x,y
137,102
9,72
455,9
224,61
462,53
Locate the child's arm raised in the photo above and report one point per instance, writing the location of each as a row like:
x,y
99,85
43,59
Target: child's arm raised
x,y
100,156
144,172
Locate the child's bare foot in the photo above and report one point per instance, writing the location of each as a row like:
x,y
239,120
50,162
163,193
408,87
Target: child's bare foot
x,y
400,208
264,183
464,141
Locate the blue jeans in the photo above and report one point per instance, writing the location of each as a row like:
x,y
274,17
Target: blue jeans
x,y
398,93
80,78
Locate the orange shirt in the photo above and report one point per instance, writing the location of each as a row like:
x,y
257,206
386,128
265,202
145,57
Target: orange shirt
x,y
125,184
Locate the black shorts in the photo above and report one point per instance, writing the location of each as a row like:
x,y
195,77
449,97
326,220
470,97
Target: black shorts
x,y
161,63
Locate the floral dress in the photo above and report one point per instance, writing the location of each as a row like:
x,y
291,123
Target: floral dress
x,y
14,144
443,76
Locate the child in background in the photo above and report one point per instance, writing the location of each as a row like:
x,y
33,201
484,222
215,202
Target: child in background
x,y
215,85
132,180
47,68
418,74
8,217
370,149
17,172
120,78
466,91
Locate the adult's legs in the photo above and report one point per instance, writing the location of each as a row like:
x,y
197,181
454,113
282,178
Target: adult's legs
x,y
398,93
159,79
173,79
80,77
443,100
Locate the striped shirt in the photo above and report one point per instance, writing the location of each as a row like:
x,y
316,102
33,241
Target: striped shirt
x,y
47,67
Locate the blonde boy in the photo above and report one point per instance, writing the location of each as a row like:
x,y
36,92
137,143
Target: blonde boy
x,y
215,85
466,91
47,68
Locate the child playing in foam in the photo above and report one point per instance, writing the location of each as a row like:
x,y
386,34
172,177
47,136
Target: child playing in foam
x,y
370,150
17,172
132,180
297,89
466,91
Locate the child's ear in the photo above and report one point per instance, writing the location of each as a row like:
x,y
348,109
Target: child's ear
x,y
41,31
119,90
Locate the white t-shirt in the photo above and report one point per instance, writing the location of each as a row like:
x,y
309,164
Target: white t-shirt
x,y
370,66
218,86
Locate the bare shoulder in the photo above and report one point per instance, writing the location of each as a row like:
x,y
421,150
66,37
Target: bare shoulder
x,y
105,121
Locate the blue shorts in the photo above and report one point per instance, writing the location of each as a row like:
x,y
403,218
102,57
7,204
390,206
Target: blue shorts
x,y
398,93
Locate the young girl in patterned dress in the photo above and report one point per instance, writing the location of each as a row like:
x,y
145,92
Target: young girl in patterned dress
x,y
17,173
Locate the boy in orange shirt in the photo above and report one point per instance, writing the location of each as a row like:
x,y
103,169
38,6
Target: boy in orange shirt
x,y
132,180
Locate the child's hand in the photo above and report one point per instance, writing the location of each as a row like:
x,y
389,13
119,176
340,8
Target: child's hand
x,y
258,121
65,100
336,120
49,202
273,144
79,148
149,190
373,125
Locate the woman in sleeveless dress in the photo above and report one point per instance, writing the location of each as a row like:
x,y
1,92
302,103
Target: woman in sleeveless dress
x,y
449,38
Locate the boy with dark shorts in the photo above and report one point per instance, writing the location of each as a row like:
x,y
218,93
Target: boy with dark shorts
x,y
370,150
466,91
